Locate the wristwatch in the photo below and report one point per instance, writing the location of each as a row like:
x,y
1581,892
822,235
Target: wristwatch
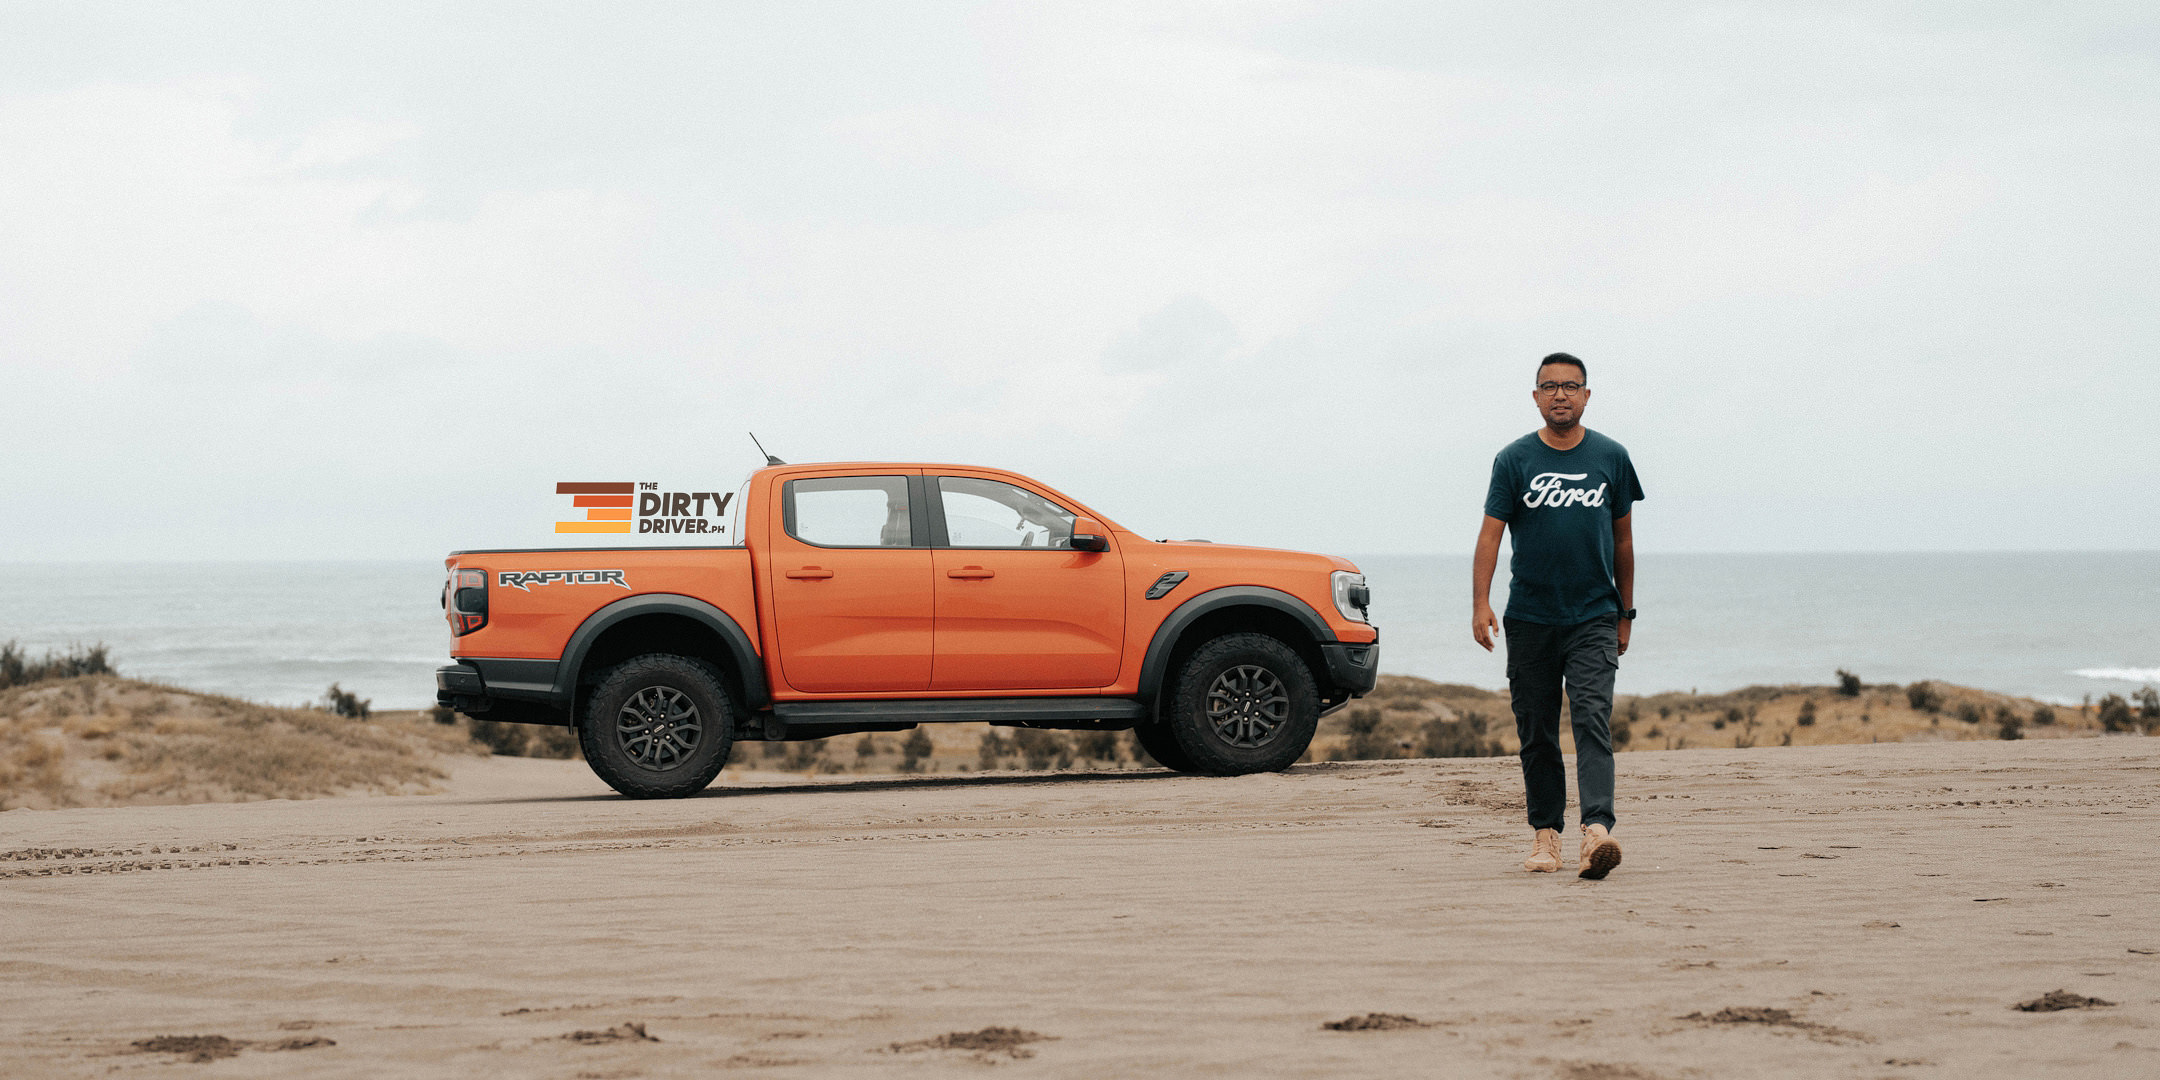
x,y
1628,614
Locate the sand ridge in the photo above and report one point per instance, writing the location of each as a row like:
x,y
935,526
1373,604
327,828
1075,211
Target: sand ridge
x,y
1837,911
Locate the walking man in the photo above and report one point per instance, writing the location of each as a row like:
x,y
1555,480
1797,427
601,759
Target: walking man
x,y
1565,492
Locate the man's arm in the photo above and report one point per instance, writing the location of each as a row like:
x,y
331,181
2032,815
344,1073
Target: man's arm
x,y
1623,556
1482,624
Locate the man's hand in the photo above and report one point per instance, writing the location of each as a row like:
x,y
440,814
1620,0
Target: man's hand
x,y
1626,627
1483,627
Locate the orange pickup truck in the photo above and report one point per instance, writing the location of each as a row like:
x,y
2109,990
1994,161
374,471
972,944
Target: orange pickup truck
x,y
875,597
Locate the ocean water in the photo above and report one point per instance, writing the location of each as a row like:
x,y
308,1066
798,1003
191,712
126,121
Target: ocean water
x,y
2057,626
2052,625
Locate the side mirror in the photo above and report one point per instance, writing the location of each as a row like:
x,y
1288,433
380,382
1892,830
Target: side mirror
x,y
1088,535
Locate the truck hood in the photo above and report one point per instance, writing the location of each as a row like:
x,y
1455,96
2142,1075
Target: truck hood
x,y
1263,556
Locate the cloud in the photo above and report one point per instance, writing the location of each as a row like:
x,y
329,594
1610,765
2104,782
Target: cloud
x,y
1187,330
1267,272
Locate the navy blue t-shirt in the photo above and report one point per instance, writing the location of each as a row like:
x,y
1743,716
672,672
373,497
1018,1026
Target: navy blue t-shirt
x,y
1559,506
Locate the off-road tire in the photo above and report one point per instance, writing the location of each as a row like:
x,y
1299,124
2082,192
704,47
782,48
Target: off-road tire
x,y
1243,703
658,726
1155,738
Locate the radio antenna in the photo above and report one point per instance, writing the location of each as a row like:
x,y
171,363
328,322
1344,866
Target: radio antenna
x,y
769,459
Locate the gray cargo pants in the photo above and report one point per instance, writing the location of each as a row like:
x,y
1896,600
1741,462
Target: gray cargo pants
x,y
1585,657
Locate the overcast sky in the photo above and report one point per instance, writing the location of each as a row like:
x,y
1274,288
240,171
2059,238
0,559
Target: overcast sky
x,y
305,280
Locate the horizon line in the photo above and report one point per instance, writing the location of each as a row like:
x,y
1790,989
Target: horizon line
x,y
126,561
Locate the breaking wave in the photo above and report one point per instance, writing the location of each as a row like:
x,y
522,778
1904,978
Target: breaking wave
x,y
2124,674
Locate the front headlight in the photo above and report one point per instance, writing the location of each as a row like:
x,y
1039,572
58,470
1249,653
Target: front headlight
x,y
1351,596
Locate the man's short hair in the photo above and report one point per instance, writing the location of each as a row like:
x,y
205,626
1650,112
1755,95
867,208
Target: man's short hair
x,y
1563,358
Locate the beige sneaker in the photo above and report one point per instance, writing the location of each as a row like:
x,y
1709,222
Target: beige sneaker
x,y
1545,852
1600,852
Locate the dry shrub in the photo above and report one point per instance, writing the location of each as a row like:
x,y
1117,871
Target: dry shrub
x,y
347,704
524,740
915,749
1103,746
1043,749
2115,714
807,755
1368,742
992,747
1463,736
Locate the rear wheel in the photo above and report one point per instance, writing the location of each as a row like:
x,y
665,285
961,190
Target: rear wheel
x,y
658,726
1243,703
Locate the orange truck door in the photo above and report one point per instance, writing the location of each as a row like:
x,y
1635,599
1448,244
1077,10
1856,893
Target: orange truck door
x,y
1017,608
851,585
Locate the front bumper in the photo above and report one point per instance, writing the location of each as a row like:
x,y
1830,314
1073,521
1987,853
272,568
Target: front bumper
x,y
1353,668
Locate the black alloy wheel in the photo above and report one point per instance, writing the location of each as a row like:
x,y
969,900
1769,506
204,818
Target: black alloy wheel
x,y
1243,703
658,726
1248,706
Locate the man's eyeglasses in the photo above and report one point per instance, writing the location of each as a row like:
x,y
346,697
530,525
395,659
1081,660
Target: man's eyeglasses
x,y
1550,389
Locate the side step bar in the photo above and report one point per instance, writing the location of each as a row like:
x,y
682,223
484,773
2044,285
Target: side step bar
x,y
793,720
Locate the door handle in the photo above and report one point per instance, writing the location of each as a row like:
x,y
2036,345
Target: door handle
x,y
810,573
973,572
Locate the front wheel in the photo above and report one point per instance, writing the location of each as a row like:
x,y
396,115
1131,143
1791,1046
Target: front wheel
x,y
658,727
1244,703
1162,745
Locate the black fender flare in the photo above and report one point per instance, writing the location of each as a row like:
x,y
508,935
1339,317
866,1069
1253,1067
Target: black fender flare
x,y
1157,658
748,665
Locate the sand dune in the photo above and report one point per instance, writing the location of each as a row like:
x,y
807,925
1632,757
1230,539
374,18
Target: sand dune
x,y
1844,911
102,740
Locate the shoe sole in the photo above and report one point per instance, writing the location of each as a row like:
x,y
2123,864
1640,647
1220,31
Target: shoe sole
x,y
1542,869
1602,860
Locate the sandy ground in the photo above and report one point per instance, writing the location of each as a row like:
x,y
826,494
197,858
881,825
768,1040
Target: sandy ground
x,y
1895,900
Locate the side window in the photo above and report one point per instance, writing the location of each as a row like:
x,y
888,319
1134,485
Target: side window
x,y
992,514
849,511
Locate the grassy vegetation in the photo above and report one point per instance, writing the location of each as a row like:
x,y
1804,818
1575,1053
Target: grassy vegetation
x,y
1409,717
514,740
17,669
74,734
102,740
947,748
1394,720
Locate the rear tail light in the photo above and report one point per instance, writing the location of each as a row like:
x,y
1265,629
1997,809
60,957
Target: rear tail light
x,y
467,601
